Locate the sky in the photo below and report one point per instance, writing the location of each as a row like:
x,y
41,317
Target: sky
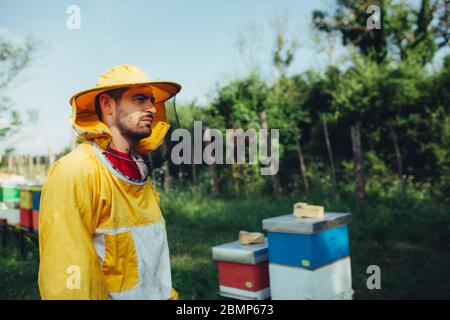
x,y
189,42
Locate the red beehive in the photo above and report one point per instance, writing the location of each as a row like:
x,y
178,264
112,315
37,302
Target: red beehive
x,y
26,218
243,270
35,220
244,276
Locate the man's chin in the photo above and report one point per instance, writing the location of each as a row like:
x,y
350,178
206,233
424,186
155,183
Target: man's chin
x,y
139,135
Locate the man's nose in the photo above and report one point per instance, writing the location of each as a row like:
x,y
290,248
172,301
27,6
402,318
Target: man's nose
x,y
150,107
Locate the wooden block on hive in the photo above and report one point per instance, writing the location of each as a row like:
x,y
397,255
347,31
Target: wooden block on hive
x,y
304,210
250,237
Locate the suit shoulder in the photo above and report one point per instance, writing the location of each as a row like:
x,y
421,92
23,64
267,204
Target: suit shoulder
x,y
80,161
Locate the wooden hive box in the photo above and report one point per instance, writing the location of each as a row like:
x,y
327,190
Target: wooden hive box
x,y
243,270
329,282
36,197
26,218
26,201
305,242
9,193
12,216
35,220
36,200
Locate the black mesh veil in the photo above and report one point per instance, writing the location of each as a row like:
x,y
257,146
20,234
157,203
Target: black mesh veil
x,y
157,158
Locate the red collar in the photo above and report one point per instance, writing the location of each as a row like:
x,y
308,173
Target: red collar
x,y
127,167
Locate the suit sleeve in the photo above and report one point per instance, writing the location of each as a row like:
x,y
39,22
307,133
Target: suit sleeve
x,y
69,265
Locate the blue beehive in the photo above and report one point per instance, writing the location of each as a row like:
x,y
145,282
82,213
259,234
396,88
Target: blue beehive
x,y
36,198
305,242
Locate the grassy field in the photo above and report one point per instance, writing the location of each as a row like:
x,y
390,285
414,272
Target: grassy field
x,y
408,238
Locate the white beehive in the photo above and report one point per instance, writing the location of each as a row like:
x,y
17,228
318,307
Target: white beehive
x,y
332,281
12,216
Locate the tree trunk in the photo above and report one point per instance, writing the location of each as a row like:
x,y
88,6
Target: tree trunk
x,y
21,164
213,180
30,166
398,156
10,163
38,165
275,180
212,170
230,145
166,176
330,153
166,170
194,169
302,165
357,157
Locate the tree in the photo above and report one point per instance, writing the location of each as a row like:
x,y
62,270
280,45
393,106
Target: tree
x,y
14,57
322,109
404,30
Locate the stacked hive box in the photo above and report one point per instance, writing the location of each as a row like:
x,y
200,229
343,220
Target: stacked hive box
x,y
26,207
243,270
9,196
36,200
12,216
9,204
309,258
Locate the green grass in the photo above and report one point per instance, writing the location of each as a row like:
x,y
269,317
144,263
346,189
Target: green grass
x,y
407,237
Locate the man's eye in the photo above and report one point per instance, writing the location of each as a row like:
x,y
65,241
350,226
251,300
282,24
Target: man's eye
x,y
152,99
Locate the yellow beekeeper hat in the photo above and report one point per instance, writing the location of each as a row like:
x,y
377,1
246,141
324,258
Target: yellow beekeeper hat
x,y
84,118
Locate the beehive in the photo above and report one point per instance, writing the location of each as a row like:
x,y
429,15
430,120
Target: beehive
x,y
309,258
332,281
305,242
36,199
243,270
9,193
26,201
11,215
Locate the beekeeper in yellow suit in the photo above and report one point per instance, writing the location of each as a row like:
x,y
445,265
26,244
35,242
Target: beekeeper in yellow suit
x,y
101,231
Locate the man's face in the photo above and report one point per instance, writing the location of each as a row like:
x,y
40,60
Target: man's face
x,y
134,113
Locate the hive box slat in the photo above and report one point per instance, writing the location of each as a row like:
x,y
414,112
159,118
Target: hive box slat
x,y
240,294
327,282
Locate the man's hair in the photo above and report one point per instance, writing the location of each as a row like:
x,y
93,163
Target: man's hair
x,y
115,94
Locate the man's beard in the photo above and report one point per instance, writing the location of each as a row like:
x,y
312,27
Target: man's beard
x,y
133,135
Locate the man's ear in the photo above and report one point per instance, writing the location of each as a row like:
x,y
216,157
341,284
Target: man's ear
x,y
106,103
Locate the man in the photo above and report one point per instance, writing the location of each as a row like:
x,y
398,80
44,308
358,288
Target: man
x,y
101,231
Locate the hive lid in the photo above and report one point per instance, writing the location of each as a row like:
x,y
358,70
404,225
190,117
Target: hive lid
x,y
291,224
236,252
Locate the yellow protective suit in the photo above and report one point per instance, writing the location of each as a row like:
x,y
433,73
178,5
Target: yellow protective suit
x,y
102,236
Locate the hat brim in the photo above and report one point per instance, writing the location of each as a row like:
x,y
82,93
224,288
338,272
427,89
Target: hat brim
x,y
162,91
